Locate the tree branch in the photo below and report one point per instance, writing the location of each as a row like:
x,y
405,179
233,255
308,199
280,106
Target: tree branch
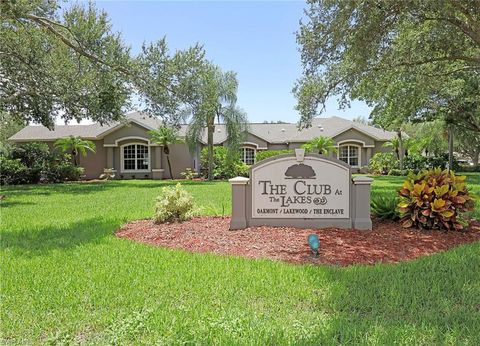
x,y
475,60
79,49
53,23
16,95
472,33
470,19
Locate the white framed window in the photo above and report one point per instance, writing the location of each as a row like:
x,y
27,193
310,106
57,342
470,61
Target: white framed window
x,y
349,154
135,157
247,155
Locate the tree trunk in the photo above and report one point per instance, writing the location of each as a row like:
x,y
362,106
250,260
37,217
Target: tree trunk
x,y
166,151
210,131
400,149
169,167
74,157
476,157
450,147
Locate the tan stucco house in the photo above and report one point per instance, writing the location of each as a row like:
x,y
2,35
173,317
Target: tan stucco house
x,y
126,146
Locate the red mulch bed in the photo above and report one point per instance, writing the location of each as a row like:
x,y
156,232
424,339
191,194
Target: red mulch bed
x,y
388,242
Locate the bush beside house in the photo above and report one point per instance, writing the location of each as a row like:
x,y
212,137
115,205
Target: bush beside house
x,y
383,163
223,166
32,163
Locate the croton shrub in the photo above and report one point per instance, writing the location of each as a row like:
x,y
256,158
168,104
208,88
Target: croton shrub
x,y
434,199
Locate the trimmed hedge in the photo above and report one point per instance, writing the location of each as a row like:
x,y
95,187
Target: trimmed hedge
x,y
469,169
265,154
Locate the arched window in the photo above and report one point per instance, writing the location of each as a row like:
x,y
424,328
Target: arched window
x,y
350,154
247,155
135,158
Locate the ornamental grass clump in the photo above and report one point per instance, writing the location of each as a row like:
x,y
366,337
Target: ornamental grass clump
x,y
175,204
385,206
434,199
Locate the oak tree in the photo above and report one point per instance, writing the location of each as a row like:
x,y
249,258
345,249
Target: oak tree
x,y
391,54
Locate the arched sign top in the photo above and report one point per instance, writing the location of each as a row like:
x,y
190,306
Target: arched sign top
x,y
302,186
309,156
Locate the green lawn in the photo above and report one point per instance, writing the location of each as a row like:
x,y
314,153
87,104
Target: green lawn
x,y
66,279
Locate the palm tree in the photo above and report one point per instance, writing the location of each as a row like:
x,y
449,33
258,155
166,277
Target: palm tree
x,y
410,146
322,145
217,101
393,143
75,146
415,146
166,136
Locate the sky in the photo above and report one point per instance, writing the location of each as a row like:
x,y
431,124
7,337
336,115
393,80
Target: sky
x,y
256,39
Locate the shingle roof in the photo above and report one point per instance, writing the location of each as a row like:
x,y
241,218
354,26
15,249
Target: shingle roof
x,y
272,133
36,132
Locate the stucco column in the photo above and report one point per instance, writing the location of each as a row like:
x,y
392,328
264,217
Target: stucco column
x,y
109,158
239,209
157,170
369,155
361,203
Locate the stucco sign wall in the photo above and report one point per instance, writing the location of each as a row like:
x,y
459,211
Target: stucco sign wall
x,y
301,187
304,191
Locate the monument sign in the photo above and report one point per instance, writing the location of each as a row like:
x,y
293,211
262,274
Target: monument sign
x,y
302,191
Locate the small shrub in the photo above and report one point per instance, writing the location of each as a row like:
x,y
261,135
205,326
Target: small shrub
x,y
265,154
241,169
175,204
415,162
434,199
442,161
397,172
63,171
382,163
189,174
385,206
12,172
